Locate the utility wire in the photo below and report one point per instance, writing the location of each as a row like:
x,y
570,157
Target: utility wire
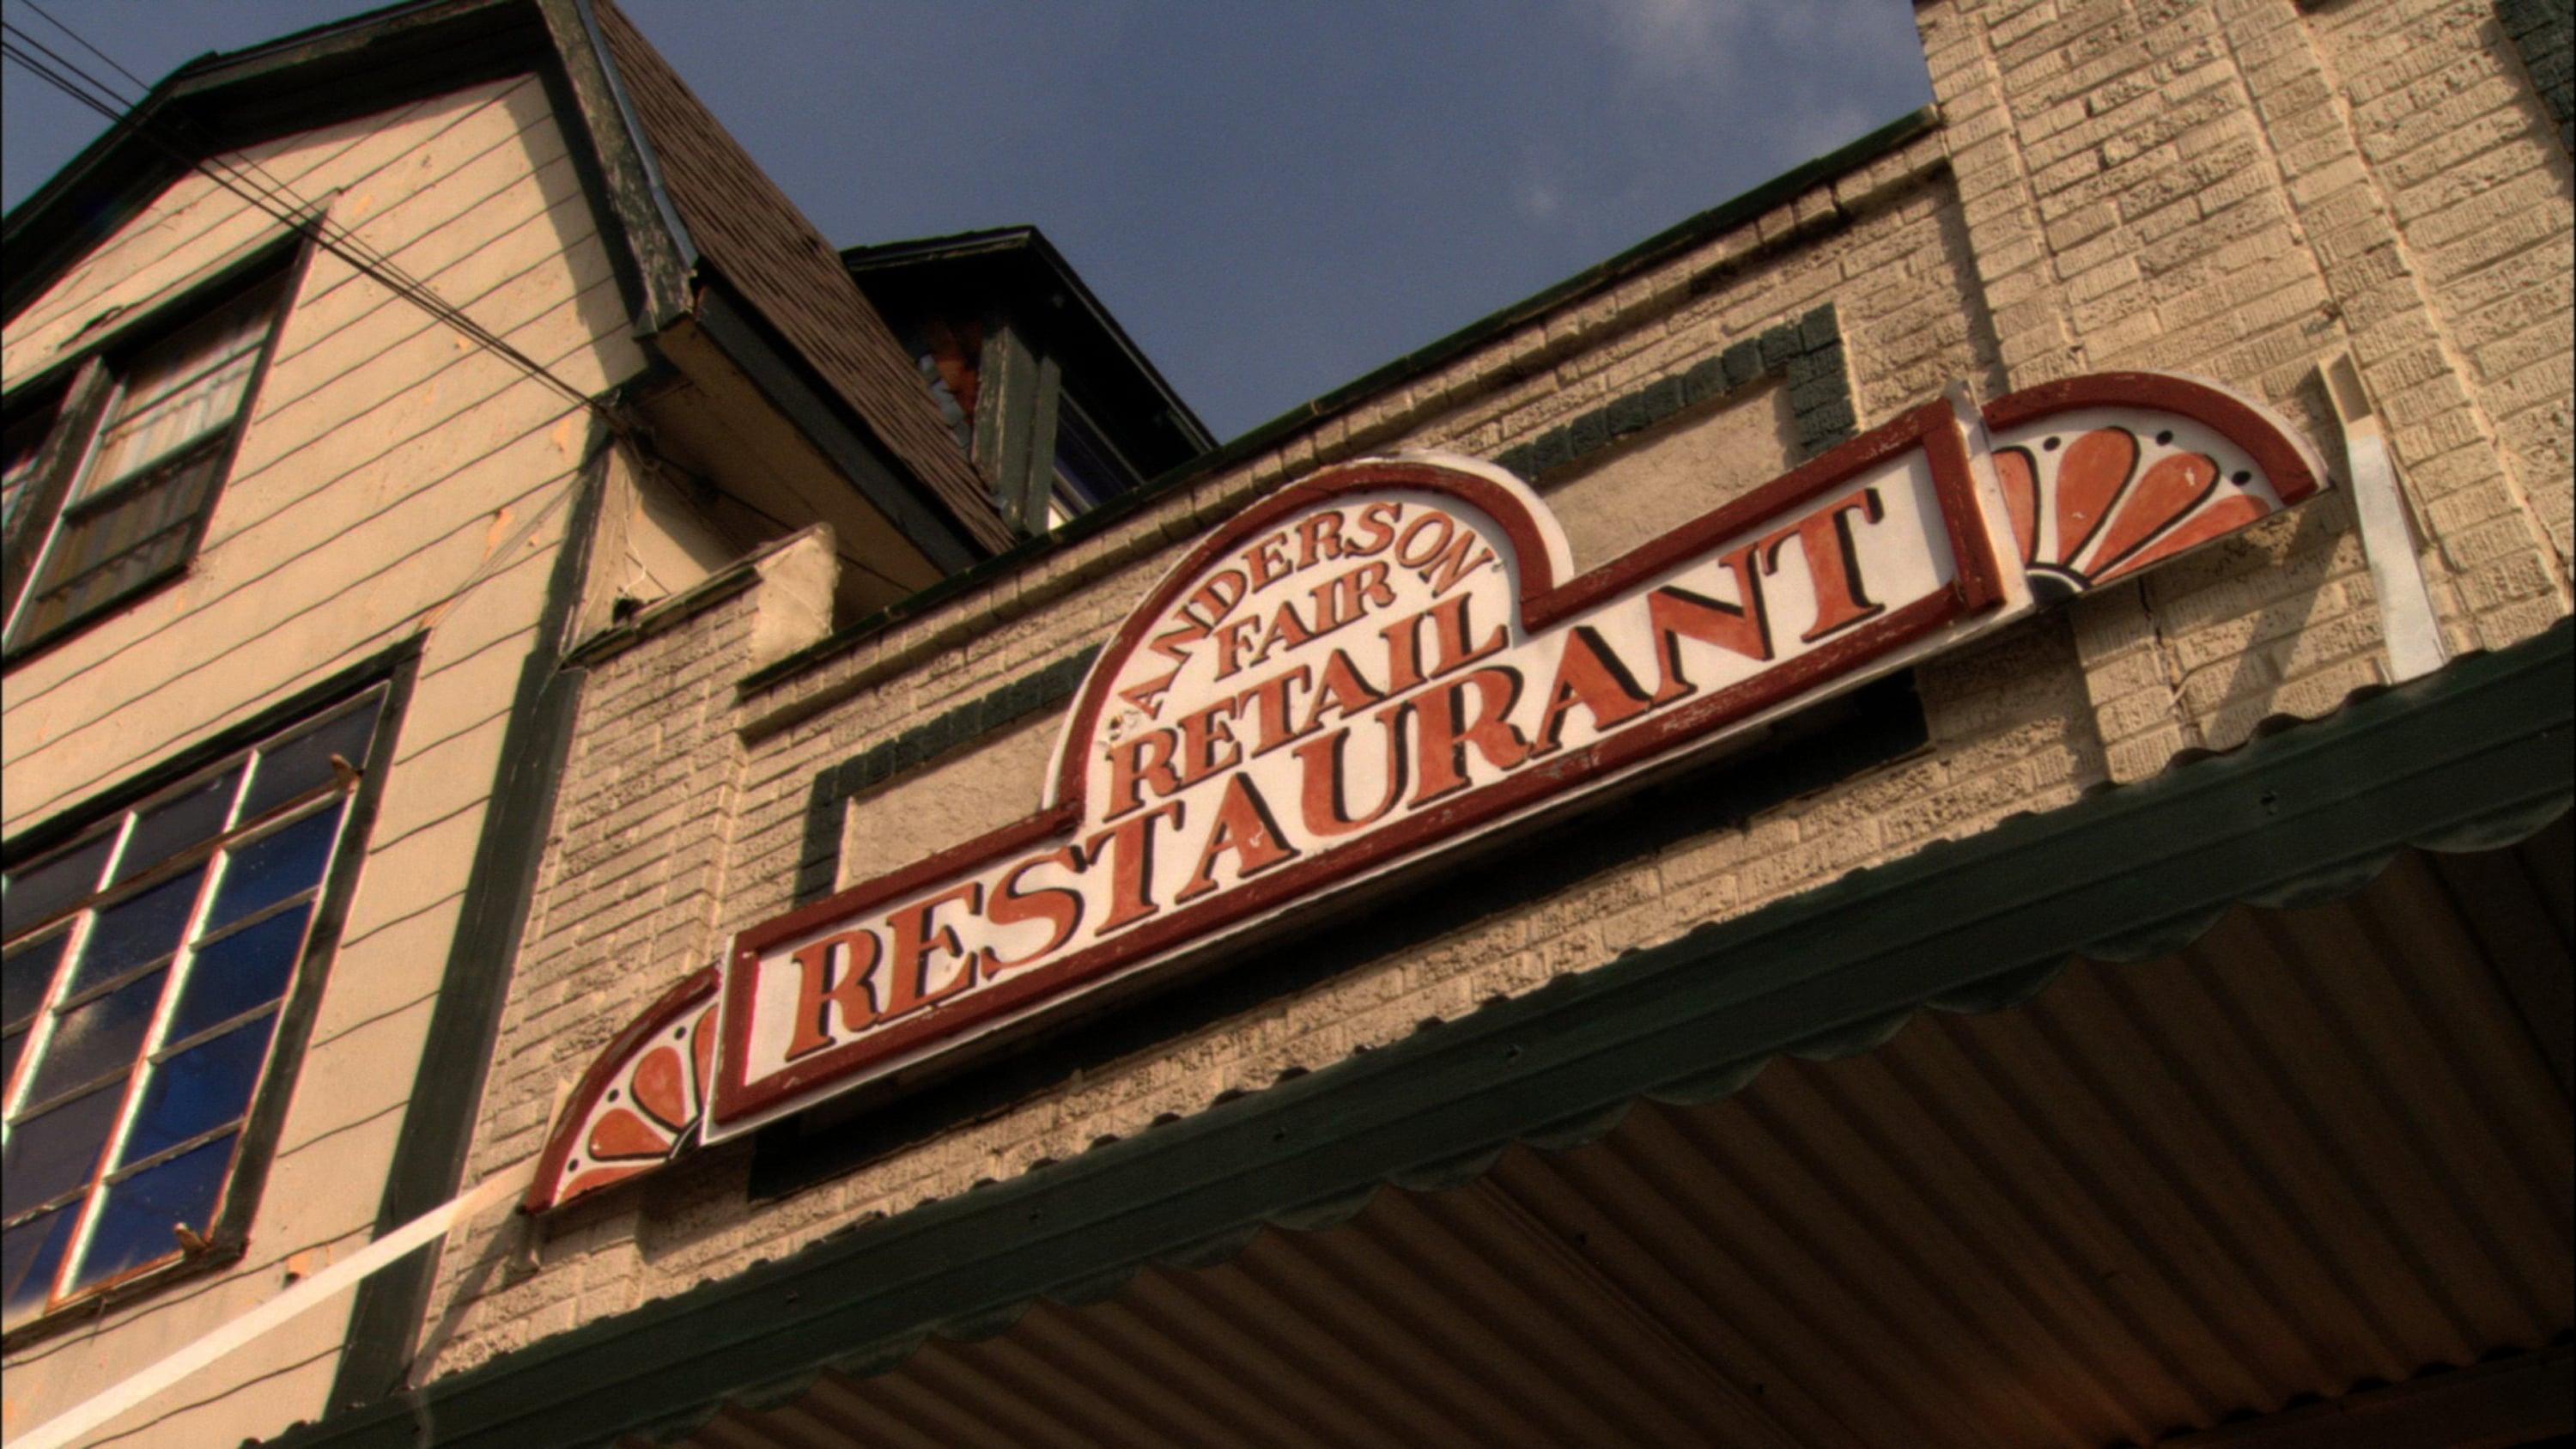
x,y
240,159
299,213
294,211
77,39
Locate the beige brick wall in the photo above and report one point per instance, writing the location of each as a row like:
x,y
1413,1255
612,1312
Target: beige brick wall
x,y
2114,185
622,910
2225,189
2463,159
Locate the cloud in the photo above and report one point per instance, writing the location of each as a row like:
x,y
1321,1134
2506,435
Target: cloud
x,y
1809,61
1812,130
1538,198
1671,39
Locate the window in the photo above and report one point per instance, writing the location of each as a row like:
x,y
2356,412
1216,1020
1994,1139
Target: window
x,y
20,447
140,490
146,966
1089,470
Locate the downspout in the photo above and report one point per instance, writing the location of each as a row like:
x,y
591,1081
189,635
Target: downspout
x,y
2407,623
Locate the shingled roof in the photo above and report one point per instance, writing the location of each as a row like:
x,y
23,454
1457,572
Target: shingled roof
x,y
754,237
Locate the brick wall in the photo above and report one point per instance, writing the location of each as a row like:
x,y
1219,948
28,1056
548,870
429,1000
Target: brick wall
x,y
2461,151
2194,187
2225,188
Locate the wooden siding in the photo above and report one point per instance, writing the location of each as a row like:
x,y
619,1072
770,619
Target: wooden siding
x,y
385,463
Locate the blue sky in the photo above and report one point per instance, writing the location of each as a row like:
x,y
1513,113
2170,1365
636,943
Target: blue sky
x,y
1273,198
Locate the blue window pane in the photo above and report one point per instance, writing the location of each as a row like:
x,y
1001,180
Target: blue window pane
x,y
98,1038
136,929
23,977
54,1153
275,866
40,891
198,1090
174,825
238,972
10,1046
29,1255
288,769
134,1228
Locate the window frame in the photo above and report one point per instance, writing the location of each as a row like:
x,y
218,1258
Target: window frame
x,y
1074,421
83,388
229,1234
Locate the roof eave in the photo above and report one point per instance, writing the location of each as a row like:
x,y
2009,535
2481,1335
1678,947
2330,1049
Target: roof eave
x,y
1030,241
1674,240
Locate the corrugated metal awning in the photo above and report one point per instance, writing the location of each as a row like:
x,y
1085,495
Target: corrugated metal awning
x,y
2316,1151
2310,1144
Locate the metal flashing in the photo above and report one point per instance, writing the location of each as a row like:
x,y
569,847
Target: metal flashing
x,y
644,157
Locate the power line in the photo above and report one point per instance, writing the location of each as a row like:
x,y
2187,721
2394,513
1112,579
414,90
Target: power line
x,y
274,186
84,44
301,214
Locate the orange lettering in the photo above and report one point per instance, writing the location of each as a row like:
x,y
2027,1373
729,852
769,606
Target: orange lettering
x,y
1059,906
1129,846
1377,522
1230,641
1365,583
1207,742
819,992
1268,560
1287,630
1245,827
1145,759
1208,604
1324,808
1675,613
917,933
1422,559
1342,689
1833,561
1319,536
1588,674
1270,704
1444,567
1449,725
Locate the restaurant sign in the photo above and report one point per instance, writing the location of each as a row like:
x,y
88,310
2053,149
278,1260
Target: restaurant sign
x,y
1391,658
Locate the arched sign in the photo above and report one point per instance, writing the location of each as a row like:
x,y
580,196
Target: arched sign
x,y
1393,657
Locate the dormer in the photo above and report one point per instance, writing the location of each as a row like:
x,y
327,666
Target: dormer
x,y
1039,385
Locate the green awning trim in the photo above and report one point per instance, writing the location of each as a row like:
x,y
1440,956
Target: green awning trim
x,y
2474,757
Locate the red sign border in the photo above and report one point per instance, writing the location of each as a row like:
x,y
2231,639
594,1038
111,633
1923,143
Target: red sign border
x,y
1976,587
2263,437
544,1188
